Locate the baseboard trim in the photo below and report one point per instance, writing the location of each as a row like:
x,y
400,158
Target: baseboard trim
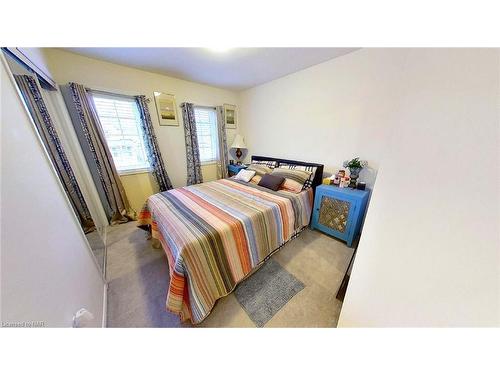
x,y
105,306
105,291
342,289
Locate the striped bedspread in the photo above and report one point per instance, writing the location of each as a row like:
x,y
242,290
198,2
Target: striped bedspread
x,y
215,233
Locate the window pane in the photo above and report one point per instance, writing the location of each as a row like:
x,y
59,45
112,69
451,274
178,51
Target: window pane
x,y
111,126
121,123
206,128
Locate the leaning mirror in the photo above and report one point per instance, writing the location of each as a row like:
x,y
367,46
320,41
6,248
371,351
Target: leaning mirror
x,y
43,103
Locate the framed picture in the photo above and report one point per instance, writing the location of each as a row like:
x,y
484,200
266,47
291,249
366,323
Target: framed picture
x,y
166,109
230,116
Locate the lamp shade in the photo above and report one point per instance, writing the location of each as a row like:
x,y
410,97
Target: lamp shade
x,y
238,142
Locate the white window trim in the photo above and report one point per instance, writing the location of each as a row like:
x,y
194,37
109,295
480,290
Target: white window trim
x,y
131,171
214,161
126,172
209,162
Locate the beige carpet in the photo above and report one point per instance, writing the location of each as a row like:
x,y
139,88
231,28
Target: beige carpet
x,y
138,278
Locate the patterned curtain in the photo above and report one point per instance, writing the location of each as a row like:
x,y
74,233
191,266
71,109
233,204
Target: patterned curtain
x,y
223,160
94,134
45,128
194,175
152,149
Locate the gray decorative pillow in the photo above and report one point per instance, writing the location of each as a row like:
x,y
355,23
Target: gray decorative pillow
x,y
270,181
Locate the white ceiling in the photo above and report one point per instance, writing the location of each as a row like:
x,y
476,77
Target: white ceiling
x,y
234,69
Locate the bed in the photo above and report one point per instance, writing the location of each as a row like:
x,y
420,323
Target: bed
x,y
215,234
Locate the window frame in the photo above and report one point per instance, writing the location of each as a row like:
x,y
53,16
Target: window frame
x,y
128,171
214,111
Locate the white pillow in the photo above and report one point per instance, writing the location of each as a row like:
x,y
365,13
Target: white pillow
x,y
244,175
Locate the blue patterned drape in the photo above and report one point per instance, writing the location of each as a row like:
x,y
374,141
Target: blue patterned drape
x,y
45,128
152,149
223,160
194,175
88,121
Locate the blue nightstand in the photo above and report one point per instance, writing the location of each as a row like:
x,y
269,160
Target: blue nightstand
x,y
339,211
234,169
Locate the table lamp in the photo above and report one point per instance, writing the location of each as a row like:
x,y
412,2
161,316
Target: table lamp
x,y
238,144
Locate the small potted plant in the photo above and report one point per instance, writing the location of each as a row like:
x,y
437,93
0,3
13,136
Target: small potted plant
x,y
355,166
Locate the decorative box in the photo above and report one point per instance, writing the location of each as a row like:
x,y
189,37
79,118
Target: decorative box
x,y
327,181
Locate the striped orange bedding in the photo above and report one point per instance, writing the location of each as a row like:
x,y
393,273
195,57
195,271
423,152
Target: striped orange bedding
x,y
216,233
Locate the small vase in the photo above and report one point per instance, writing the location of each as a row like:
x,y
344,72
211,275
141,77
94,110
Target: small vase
x,y
354,176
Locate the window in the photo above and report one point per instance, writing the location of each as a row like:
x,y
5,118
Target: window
x,y
121,123
206,128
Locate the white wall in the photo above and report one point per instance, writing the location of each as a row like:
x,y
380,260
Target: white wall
x,y
69,67
327,113
35,59
47,270
429,254
428,120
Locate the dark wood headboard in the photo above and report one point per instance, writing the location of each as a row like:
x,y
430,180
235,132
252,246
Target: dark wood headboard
x,y
318,177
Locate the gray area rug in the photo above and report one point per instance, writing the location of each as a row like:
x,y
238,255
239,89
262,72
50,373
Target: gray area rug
x,y
264,293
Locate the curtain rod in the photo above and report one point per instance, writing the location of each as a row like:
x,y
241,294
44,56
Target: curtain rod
x,y
205,106
116,94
